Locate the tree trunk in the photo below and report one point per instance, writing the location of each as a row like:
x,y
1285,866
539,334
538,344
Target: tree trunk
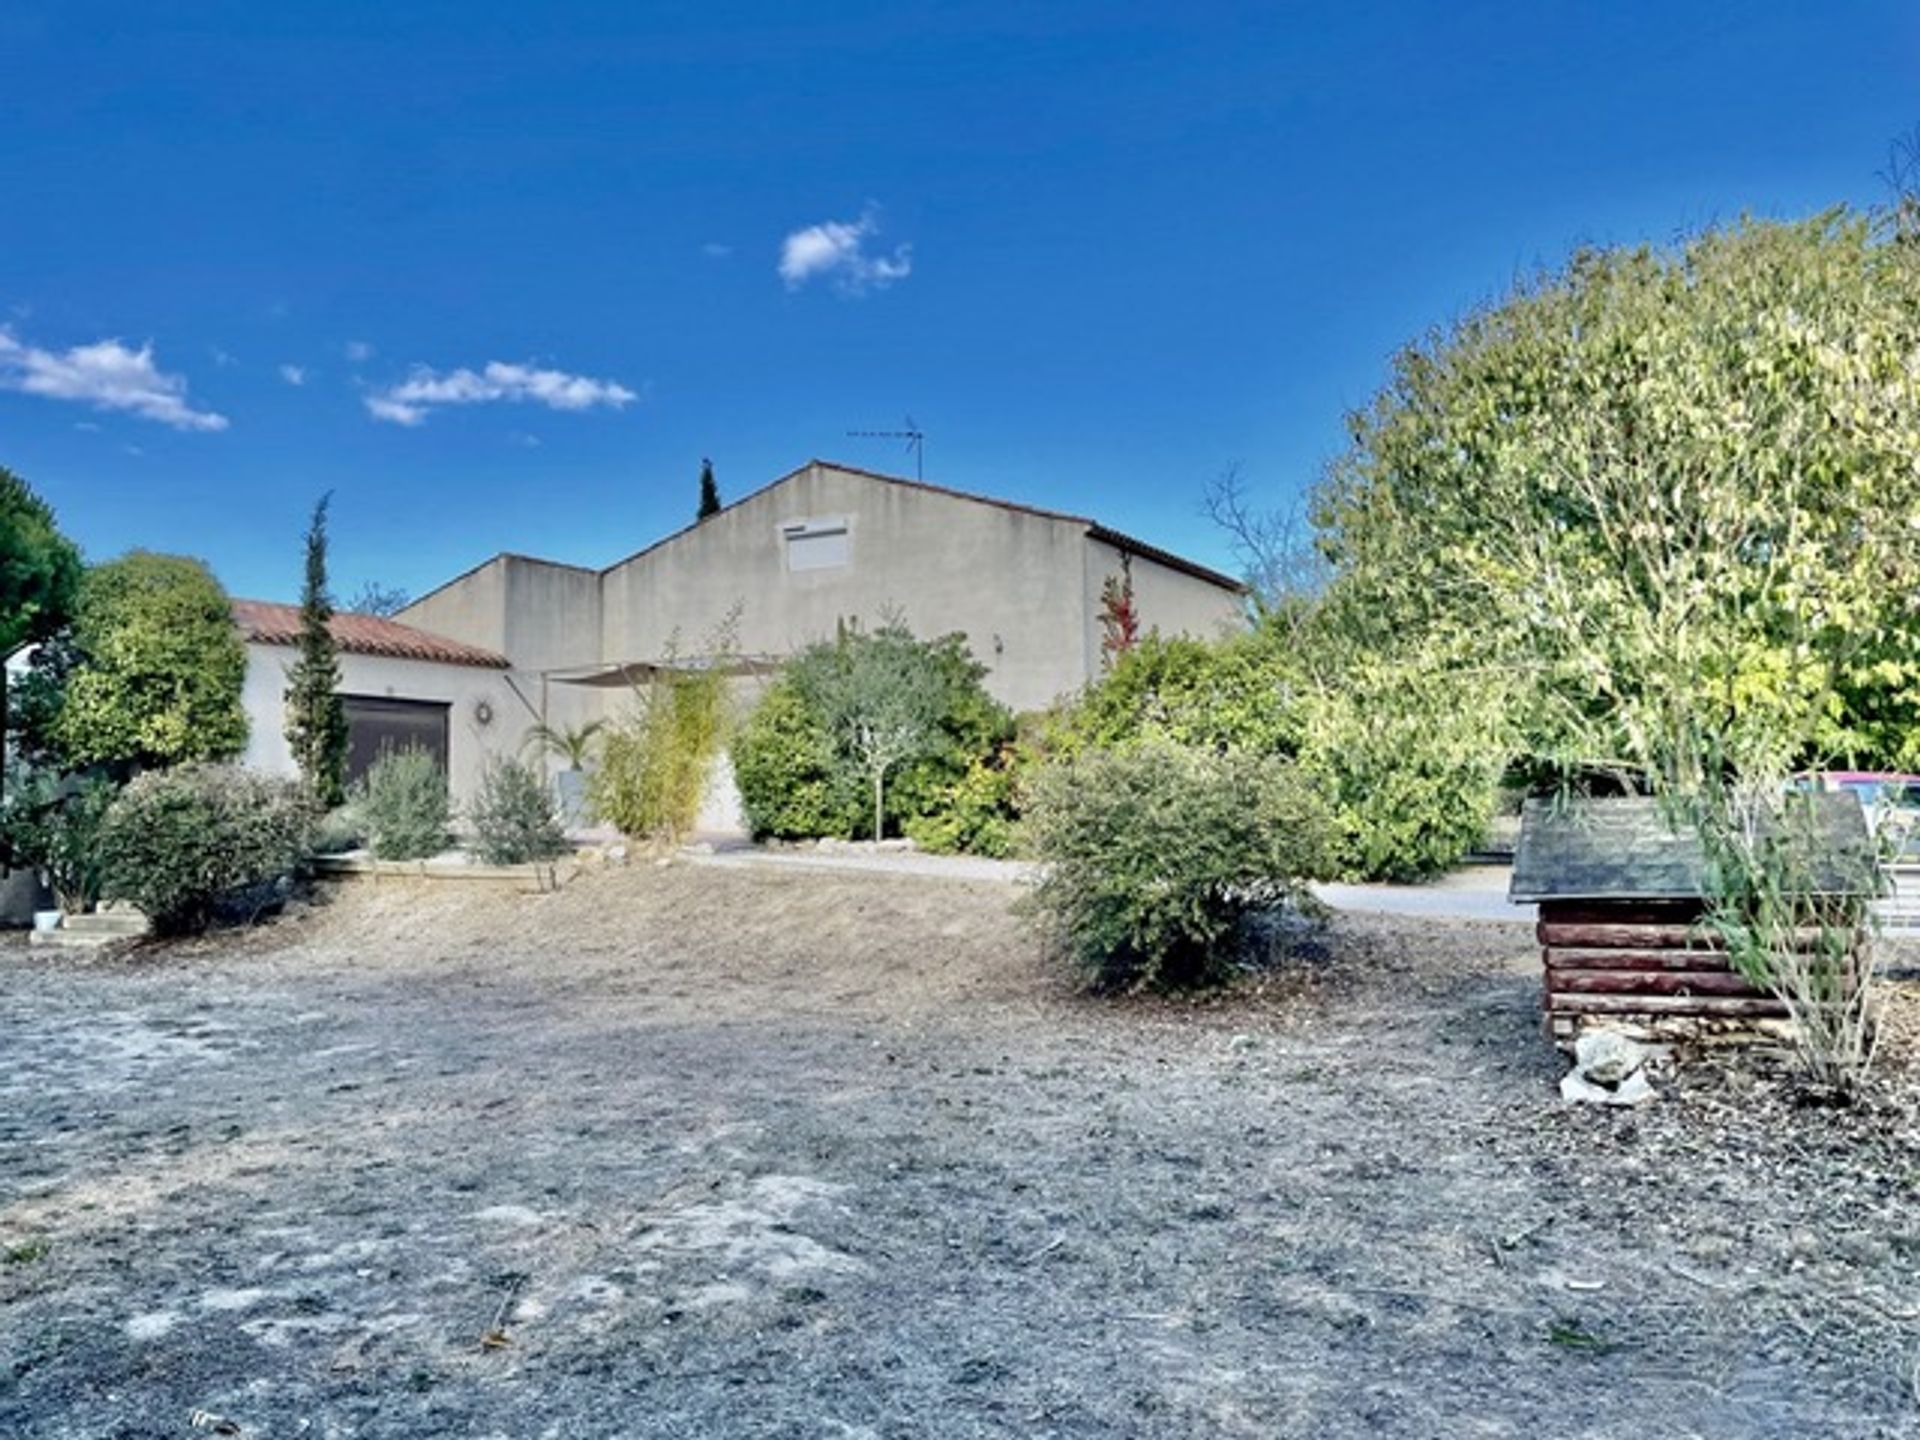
x,y
879,808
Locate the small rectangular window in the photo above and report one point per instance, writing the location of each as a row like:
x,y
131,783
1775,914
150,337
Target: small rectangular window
x,y
817,544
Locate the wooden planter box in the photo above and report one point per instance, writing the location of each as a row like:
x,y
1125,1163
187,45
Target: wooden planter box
x,y
1620,901
534,877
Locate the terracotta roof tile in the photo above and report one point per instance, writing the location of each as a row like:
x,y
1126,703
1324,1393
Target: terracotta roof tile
x,y
268,623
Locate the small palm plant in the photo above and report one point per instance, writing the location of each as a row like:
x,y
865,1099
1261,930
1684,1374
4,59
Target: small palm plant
x,y
572,744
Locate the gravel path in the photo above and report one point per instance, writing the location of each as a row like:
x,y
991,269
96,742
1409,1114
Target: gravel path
x,y
704,1151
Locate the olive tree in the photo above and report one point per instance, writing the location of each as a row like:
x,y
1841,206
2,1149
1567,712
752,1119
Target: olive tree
x,y
881,695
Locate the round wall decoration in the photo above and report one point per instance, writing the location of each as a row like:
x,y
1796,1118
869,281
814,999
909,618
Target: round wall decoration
x,y
482,712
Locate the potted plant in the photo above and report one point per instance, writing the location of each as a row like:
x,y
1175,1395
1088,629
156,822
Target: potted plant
x,y
573,746
52,826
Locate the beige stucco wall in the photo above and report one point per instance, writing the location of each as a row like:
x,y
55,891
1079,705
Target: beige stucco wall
x,y
462,687
1024,588
542,617
1011,581
1168,600
471,607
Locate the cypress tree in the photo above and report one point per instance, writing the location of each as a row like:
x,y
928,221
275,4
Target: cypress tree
x,y
709,492
316,716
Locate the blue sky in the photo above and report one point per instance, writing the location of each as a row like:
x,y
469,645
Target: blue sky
x,y
499,276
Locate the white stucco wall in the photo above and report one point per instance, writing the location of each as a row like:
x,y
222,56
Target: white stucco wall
x,y
462,687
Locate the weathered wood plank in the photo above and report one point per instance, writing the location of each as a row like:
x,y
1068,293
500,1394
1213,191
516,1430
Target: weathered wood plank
x,y
1706,1005
1644,982
1592,959
1621,936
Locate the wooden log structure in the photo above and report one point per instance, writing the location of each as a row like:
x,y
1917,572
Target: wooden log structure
x,y
1621,944
1642,963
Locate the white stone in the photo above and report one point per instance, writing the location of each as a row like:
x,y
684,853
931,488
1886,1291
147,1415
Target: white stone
x,y
1607,1057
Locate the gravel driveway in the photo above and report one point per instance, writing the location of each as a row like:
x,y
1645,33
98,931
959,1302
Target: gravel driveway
x,y
725,1152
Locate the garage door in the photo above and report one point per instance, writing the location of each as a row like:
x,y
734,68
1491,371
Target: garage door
x,y
377,724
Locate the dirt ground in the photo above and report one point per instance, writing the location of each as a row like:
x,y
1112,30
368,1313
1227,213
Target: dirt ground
x,y
717,1152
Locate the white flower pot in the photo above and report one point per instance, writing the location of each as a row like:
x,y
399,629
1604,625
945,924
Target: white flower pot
x,y
45,920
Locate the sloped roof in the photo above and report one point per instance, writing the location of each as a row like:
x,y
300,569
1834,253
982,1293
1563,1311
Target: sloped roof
x,y
1624,848
1093,527
267,622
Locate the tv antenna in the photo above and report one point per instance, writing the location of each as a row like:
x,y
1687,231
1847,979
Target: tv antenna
x,y
915,437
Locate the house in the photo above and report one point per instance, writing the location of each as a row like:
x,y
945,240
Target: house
x,y
471,666
826,545
401,686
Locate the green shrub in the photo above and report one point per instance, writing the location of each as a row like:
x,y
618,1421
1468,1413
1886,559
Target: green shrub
x,y
404,802
868,715
1233,694
791,784
51,823
1408,753
513,815
177,843
654,763
976,815
341,829
1410,761
1157,857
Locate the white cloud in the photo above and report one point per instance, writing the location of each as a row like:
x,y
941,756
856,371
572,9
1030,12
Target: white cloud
x,y
836,250
357,351
400,414
106,375
714,250
294,374
413,399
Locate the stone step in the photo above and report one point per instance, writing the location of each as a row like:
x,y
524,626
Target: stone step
x,y
106,922
75,939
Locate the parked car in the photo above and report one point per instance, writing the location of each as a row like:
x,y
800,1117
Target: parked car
x,y
1892,803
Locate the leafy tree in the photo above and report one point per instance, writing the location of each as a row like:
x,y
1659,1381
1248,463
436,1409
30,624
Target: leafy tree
x,y
162,668
792,784
1670,496
39,574
1667,490
913,712
316,715
709,492
880,700
39,567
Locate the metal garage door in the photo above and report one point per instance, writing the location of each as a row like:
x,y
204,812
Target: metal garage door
x,y
376,724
